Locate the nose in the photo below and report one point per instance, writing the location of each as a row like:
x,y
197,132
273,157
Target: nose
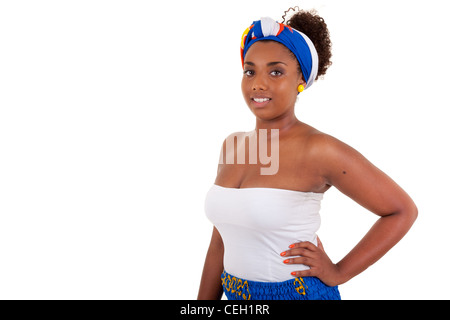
x,y
259,83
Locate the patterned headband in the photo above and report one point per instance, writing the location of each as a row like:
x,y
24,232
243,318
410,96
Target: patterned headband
x,y
294,40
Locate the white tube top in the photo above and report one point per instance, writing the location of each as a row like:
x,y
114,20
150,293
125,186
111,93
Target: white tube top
x,y
257,224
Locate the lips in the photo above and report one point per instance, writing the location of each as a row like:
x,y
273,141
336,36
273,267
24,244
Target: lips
x,y
260,101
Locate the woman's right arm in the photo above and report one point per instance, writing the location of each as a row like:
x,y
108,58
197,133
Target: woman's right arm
x,y
211,283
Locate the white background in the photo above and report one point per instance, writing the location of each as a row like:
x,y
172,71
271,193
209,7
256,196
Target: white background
x,y
112,115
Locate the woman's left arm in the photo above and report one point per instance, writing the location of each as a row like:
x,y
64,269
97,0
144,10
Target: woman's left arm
x,y
346,169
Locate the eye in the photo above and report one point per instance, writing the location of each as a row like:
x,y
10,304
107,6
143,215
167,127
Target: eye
x,y
248,73
276,73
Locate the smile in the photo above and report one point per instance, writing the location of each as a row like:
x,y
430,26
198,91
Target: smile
x,y
260,100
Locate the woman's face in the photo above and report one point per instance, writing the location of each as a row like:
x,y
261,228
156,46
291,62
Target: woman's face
x,y
270,79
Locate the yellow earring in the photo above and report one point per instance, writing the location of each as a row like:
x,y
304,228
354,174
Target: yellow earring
x,y
300,88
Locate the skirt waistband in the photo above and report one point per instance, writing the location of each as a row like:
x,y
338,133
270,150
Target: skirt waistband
x,y
306,288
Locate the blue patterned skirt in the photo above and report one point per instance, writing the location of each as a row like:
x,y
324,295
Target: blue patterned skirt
x,y
306,288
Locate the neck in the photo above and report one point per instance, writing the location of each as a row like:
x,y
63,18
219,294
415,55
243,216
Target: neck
x,y
283,123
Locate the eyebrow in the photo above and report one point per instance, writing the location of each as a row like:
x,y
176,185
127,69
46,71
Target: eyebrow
x,y
268,64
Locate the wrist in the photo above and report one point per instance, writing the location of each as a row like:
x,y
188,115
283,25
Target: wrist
x,y
342,276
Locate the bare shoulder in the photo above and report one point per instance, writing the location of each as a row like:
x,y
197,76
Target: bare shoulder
x,y
331,156
233,135
323,146
230,139
343,167
318,140
230,143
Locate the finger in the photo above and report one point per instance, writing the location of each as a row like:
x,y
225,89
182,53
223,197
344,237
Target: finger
x,y
299,260
319,244
303,244
297,252
304,273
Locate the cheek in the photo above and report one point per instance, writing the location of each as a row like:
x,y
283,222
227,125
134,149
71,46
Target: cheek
x,y
245,87
286,90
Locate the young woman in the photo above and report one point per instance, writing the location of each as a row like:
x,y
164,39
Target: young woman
x,y
264,243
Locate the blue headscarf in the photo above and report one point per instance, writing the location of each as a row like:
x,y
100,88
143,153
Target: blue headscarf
x,y
294,40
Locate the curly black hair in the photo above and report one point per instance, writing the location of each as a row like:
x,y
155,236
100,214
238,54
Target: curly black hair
x,y
314,26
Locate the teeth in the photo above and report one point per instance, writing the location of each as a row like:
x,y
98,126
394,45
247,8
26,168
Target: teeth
x,y
261,99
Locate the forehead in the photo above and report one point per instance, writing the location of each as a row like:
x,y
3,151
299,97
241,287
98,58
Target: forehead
x,y
268,50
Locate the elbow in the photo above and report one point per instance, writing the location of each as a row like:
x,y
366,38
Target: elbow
x,y
405,215
409,214
412,210
414,213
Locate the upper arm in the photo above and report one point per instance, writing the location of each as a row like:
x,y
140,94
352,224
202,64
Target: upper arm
x,y
352,174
